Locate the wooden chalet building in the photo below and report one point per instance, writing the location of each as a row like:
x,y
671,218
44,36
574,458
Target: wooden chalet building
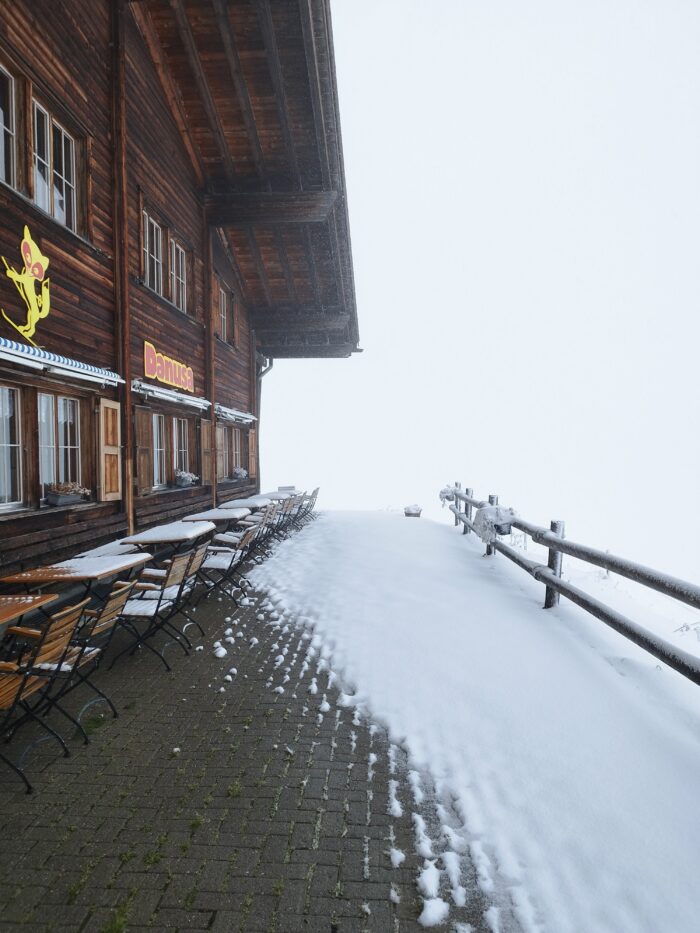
x,y
172,218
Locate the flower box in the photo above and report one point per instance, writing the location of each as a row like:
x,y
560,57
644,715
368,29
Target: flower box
x,y
63,498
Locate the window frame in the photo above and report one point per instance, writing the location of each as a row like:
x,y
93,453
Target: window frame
x,y
181,444
160,460
178,256
149,222
57,445
223,314
11,131
47,159
18,445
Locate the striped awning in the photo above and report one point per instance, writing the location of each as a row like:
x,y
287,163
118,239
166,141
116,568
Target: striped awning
x,y
34,358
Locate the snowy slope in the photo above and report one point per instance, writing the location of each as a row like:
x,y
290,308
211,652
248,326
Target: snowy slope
x,y
572,755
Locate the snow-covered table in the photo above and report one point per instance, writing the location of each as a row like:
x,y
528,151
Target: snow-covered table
x,y
171,535
253,503
219,516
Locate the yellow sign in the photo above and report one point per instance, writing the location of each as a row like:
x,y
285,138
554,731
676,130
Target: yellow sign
x,y
32,286
171,372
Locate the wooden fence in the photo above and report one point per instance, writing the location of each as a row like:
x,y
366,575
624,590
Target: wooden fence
x,y
550,574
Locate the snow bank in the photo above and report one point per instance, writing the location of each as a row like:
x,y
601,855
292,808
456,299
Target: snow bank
x,y
570,753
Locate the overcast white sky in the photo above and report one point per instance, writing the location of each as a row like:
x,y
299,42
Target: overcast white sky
x,y
524,196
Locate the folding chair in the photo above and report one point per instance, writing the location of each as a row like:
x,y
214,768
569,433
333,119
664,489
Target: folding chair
x,y
155,605
194,576
32,676
86,649
221,564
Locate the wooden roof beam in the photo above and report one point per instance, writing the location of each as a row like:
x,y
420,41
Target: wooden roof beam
x,y
187,39
245,209
234,65
259,264
284,261
171,91
267,28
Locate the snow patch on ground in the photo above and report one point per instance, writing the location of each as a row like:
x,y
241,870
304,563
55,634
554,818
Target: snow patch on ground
x,y
565,751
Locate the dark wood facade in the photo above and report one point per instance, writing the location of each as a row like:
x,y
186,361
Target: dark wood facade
x,y
178,169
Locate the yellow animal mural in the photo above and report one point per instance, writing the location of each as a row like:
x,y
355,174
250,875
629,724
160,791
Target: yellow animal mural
x,y
32,286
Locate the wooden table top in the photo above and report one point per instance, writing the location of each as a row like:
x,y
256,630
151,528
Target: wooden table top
x,y
12,607
78,569
172,533
218,515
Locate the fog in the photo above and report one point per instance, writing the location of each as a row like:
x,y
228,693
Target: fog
x,y
524,198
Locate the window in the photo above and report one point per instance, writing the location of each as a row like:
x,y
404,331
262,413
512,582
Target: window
x,y
237,462
181,453
178,276
54,168
225,458
229,450
152,254
223,313
59,440
7,128
159,475
10,448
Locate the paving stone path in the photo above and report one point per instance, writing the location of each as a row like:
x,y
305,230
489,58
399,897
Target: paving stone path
x,y
250,804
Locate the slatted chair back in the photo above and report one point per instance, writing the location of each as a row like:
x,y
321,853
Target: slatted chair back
x,y
102,621
50,645
196,560
177,571
58,634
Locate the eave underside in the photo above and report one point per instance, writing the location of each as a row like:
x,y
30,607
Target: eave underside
x,y
252,85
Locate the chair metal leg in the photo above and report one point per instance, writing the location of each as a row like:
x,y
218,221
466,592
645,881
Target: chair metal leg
x,y
45,725
18,771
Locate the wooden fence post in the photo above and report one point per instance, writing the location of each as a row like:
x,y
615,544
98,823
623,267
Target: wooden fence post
x,y
467,510
551,597
490,552
458,487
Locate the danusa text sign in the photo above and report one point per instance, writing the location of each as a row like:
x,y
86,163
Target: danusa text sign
x,y
171,372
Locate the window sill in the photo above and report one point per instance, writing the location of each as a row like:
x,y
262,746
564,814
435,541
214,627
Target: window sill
x,y
43,216
166,302
26,511
226,343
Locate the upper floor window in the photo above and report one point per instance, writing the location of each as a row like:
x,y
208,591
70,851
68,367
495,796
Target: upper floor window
x,y
152,254
7,128
178,275
54,168
10,448
223,314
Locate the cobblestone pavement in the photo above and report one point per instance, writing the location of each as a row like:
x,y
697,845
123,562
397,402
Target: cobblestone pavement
x,y
254,804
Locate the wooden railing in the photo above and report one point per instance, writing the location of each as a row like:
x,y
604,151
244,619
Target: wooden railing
x,y
550,574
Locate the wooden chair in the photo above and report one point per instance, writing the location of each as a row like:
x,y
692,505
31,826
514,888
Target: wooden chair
x,y
155,604
86,650
221,566
26,683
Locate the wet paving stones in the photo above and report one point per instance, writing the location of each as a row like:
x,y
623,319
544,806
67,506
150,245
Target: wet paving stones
x,y
248,804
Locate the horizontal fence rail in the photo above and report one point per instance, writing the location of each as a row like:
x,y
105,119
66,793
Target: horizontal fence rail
x,y
550,574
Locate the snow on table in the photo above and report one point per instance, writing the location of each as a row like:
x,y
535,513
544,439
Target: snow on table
x,y
571,754
218,515
254,502
171,533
